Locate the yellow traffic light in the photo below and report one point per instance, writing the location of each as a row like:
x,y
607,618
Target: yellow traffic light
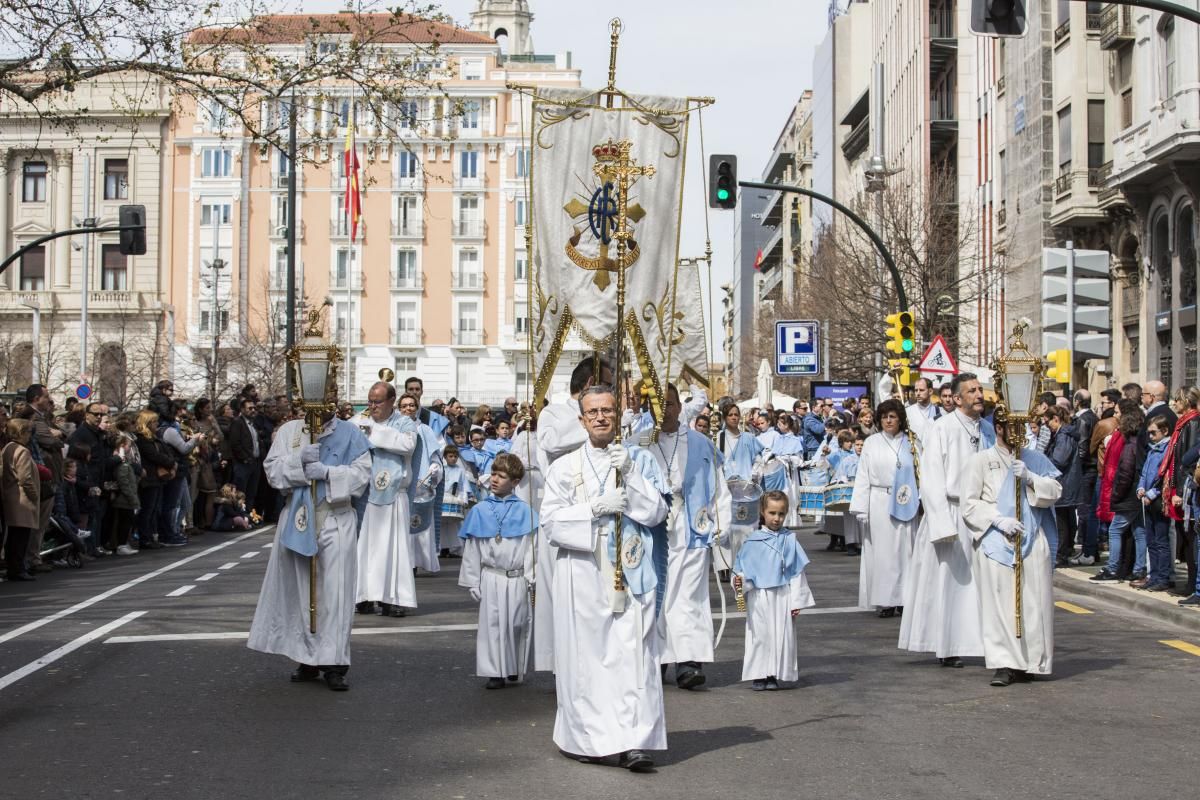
x,y
1059,366
901,332
899,367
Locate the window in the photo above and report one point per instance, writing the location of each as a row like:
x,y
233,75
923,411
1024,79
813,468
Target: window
x,y
406,323
214,214
408,218
326,48
406,164
468,164
341,273
1167,33
470,117
522,215
33,183
1126,109
217,115
521,270
279,278
116,179
1064,139
521,318
1064,12
281,163
279,210
468,208
523,162
406,269
1095,134
406,365
206,320
112,268
472,69
33,269
408,112
216,162
468,317
342,317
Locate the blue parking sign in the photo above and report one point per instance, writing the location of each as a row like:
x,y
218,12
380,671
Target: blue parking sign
x,y
798,348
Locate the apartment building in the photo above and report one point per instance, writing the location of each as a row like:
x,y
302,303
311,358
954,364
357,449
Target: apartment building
x,y
436,283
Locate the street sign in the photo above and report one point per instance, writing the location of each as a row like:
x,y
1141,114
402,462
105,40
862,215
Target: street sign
x,y
798,348
937,358
83,391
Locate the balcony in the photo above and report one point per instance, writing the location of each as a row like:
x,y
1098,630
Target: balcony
x,y
1096,176
279,180
468,229
1062,31
113,300
407,281
1116,26
279,230
519,234
1106,192
467,337
354,283
339,336
1062,184
469,280
408,229
340,229
477,181
408,337
413,182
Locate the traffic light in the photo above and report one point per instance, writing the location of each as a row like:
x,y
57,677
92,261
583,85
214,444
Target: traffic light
x,y
902,332
722,181
133,241
1059,369
998,17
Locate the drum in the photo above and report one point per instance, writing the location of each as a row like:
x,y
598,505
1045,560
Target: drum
x,y
775,476
811,499
814,476
424,493
452,510
837,496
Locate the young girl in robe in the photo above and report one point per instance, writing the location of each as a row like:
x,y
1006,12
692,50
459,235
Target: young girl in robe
x,y
460,490
770,570
497,569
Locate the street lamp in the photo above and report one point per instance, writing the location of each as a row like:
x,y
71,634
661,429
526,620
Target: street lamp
x,y
217,265
314,364
1018,375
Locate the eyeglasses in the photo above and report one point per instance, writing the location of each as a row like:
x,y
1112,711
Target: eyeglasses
x,y
371,402
596,413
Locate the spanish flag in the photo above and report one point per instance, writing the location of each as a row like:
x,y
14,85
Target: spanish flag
x,y
353,198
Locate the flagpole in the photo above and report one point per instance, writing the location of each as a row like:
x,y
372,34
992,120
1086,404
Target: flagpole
x,y
351,158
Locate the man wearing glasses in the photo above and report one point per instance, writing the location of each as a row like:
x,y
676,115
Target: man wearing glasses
x,y
94,433
247,450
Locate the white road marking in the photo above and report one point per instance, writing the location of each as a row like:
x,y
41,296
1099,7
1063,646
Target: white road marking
x,y
220,635
208,576
69,647
251,554
267,546
91,601
182,590
228,565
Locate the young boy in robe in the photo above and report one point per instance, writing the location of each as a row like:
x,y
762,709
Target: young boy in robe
x,y
497,570
847,470
460,492
833,461
770,569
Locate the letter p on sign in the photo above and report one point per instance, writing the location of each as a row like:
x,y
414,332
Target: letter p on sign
x,y
793,338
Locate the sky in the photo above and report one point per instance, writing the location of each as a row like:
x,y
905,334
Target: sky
x,y
753,56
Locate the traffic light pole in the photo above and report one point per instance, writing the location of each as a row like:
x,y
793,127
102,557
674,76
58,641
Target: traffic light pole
x,y
59,234
901,297
1190,14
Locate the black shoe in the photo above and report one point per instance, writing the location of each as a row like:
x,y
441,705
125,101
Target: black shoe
x,y
513,679
494,683
772,684
759,685
689,677
398,611
1137,576
577,757
41,567
305,673
1003,677
336,681
1155,587
444,552
1104,576
832,544
1021,676
886,613
150,545
20,576
636,761
365,607
1193,600
952,661
853,550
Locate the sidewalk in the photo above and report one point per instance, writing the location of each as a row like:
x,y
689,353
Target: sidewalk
x,y
1161,605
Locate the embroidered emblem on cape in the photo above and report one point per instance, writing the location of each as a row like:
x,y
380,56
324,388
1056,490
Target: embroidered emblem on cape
x,y
903,495
383,479
302,518
601,212
418,522
741,512
632,550
703,521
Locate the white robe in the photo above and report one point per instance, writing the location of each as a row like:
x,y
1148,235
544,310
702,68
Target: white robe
x,y
725,551
919,418
385,567
502,641
687,612
527,447
606,665
886,542
281,620
941,598
770,633
1034,651
422,545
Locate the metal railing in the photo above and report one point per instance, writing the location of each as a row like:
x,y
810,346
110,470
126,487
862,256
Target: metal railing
x,y
407,280
1096,176
1093,22
469,279
1062,31
408,338
340,282
477,181
412,228
1116,26
1062,184
469,228
340,228
467,337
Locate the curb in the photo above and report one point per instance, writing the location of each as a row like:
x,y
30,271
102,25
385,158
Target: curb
x,y
1078,582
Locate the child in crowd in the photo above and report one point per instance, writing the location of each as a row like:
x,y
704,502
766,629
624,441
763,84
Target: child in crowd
x,y
231,511
770,569
497,567
65,511
1154,518
844,448
502,443
460,492
846,471
125,503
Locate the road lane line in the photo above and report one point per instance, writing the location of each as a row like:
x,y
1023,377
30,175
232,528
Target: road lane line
x,y
222,635
228,565
182,590
251,554
1074,609
208,576
69,647
1180,644
91,601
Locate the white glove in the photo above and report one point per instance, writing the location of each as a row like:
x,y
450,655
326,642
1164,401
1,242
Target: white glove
x,y
435,473
756,473
862,518
613,502
310,453
618,458
474,594
1009,526
1019,470
316,471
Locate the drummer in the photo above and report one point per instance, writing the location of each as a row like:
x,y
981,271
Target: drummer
x,y
743,462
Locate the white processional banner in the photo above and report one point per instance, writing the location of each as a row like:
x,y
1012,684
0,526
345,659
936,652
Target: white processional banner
x,y
575,219
689,354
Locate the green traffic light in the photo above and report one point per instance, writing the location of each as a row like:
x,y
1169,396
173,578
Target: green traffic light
x,y
722,194
907,345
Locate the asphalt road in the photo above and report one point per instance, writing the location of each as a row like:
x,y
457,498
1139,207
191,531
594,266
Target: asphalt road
x,y
149,693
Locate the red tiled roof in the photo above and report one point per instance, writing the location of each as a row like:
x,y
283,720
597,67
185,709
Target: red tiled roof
x,y
382,28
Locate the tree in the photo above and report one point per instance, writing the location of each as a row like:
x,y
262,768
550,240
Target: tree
x,y
228,58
